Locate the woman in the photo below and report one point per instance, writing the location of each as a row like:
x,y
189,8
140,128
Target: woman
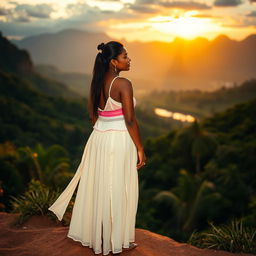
x,y
104,212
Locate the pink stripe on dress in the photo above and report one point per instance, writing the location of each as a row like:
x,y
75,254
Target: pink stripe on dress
x,y
117,112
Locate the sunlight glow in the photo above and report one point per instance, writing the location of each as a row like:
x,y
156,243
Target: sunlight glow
x,y
174,115
184,26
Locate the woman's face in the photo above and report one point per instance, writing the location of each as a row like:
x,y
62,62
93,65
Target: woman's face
x,y
123,61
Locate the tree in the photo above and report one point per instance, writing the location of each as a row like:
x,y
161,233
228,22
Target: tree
x,y
194,146
191,196
47,164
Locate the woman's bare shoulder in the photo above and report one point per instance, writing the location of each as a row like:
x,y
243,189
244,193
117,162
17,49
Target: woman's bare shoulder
x,y
125,83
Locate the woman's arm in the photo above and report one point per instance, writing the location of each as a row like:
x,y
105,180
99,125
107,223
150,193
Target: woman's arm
x,y
93,120
126,92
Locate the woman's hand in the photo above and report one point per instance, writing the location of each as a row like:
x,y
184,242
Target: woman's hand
x,y
141,158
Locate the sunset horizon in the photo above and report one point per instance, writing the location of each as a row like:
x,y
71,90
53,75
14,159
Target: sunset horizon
x,y
132,20
157,40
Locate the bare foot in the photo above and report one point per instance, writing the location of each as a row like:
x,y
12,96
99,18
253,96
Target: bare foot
x,y
131,246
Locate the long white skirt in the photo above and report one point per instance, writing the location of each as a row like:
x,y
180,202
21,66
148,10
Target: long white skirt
x,y
104,212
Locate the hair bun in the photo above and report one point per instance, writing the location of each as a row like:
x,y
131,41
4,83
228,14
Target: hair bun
x,y
101,46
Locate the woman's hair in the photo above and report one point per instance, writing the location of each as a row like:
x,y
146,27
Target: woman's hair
x,y
106,52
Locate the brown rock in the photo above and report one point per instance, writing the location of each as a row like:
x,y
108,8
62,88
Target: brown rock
x,y
40,236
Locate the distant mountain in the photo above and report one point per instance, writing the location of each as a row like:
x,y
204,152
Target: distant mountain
x,y
18,62
70,50
12,59
181,64
216,63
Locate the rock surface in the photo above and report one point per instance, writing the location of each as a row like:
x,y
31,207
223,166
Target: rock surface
x,y
40,236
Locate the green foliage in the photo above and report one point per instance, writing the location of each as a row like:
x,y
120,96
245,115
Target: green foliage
x,y
234,237
35,201
189,199
219,183
250,219
51,166
200,146
12,181
28,117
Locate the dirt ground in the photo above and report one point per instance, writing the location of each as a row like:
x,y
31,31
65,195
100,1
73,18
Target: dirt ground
x,y
40,236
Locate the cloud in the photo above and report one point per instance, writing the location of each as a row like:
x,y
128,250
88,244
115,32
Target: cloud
x,y
143,8
25,12
241,25
4,12
251,14
145,2
244,21
78,15
25,19
22,19
185,5
204,15
38,11
227,3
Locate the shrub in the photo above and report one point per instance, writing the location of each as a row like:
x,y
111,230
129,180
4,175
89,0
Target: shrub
x,y
35,201
233,237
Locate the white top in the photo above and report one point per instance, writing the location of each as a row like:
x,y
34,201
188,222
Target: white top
x,y
112,104
111,123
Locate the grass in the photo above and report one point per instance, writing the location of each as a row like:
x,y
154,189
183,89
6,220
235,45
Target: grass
x,y
232,237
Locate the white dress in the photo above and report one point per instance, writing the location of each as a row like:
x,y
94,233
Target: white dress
x,y
104,212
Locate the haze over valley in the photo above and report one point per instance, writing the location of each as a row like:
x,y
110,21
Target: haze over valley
x,y
178,65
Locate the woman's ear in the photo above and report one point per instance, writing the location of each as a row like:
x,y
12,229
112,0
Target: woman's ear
x,y
113,62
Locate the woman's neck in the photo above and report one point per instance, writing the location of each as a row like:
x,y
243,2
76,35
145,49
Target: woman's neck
x,y
112,73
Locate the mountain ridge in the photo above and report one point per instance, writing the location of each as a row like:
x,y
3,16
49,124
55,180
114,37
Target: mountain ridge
x,y
180,64
19,62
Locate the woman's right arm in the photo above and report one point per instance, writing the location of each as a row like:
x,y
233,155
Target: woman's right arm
x,y
126,92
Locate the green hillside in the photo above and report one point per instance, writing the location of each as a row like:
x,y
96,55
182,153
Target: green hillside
x,y
28,117
201,173
76,82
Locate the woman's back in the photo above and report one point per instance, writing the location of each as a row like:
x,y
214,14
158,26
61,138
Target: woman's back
x,y
111,117
112,104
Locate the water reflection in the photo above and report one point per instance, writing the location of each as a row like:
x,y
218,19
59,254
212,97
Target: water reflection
x,y
174,115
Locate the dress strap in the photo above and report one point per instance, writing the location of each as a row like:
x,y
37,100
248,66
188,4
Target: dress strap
x,y
111,85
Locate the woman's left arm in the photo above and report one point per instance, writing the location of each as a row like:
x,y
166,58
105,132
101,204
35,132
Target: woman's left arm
x,y
93,120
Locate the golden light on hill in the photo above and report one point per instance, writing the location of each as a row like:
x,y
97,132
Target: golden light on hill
x,y
174,115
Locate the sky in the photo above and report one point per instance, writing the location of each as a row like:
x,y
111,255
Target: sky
x,y
132,20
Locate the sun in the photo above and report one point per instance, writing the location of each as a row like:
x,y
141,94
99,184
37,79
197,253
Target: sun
x,y
182,26
188,27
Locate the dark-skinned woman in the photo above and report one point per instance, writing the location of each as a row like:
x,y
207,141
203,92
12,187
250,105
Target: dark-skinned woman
x,y
104,212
